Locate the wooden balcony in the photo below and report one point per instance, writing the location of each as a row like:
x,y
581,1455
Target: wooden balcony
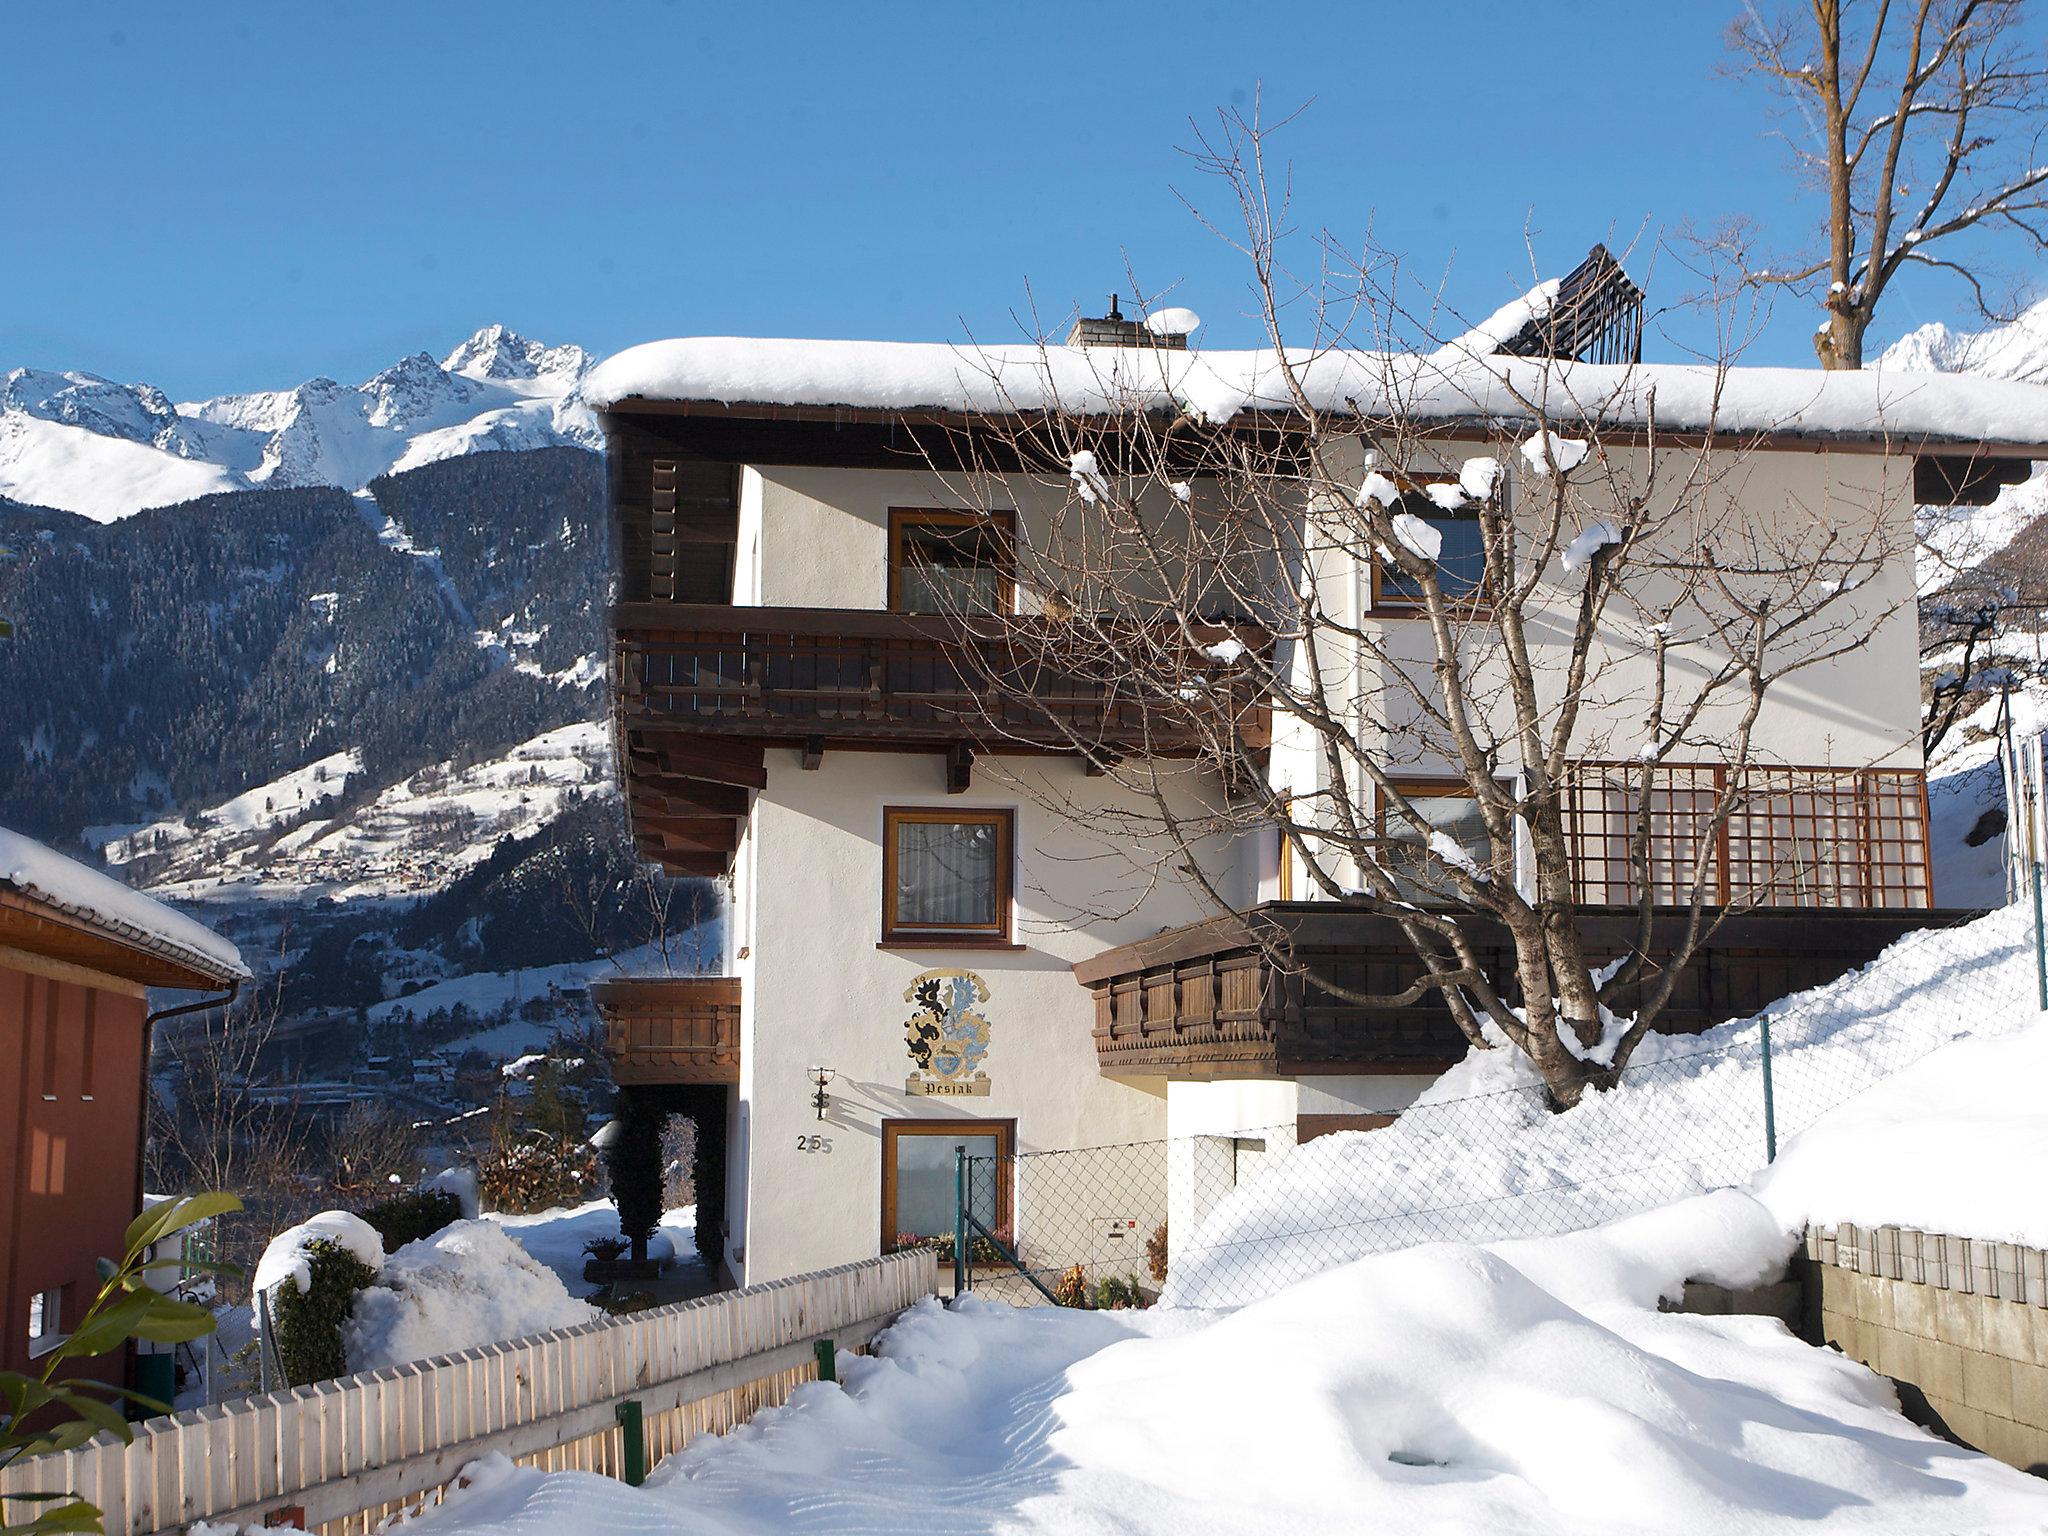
x,y
700,691
671,1029
865,677
1211,1001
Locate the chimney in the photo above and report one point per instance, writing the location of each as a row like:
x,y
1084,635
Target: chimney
x,y
1113,330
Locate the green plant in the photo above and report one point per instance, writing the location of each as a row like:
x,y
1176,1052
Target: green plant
x,y
1115,1295
307,1324
632,1161
411,1216
39,1414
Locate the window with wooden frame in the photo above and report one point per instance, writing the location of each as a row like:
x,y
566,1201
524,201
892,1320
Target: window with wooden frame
x,y
920,1188
951,562
946,876
1450,810
1460,562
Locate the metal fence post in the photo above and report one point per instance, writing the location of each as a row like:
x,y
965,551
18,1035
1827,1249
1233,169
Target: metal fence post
x,y
634,1433
959,1220
1770,1102
827,1351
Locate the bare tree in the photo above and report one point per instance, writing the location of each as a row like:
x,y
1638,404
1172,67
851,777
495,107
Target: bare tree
x,y
1594,656
1919,122
213,1130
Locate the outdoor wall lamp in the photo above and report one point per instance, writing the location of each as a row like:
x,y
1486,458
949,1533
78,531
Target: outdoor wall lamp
x,y
821,1076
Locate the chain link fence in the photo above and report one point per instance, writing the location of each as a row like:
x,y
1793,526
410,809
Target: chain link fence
x,y
1225,1218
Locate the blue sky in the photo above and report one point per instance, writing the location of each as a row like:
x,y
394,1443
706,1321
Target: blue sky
x,y
215,197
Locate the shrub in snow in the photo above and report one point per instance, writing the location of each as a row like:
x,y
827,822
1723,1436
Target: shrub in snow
x,y
413,1215
533,1171
307,1317
468,1284
461,1183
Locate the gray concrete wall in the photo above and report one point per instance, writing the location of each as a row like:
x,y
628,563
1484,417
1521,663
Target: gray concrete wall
x,y
1960,1325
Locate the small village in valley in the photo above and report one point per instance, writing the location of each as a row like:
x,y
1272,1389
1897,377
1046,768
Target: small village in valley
x,y
1249,796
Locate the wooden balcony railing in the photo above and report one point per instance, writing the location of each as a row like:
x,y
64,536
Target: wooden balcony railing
x,y
1209,1000
861,676
671,1029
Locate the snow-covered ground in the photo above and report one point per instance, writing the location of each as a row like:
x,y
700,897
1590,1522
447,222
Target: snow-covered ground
x,y
84,444
286,841
1481,1157
1530,1387
556,1238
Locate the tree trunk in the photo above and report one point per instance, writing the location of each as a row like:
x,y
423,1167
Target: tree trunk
x,y
1839,343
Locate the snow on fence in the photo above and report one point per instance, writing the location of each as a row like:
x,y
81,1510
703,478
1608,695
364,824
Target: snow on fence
x,y
341,1455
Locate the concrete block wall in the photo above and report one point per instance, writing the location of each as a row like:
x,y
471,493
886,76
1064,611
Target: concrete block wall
x,y
1960,1325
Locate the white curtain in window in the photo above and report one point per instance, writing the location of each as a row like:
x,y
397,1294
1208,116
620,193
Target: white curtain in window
x,y
945,874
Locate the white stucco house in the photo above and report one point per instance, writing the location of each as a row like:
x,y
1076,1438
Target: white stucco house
x,y
923,955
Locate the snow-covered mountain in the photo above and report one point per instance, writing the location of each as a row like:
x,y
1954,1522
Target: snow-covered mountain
x,y
1957,539
83,444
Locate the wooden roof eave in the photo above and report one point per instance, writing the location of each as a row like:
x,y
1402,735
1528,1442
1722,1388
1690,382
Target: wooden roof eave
x,y
1254,422
37,928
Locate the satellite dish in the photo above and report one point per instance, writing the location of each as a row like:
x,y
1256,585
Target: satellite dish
x,y
1172,322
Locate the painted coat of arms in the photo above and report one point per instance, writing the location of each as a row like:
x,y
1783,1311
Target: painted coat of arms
x,y
948,1038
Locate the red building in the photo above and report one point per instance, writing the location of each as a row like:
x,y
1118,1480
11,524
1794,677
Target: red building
x,y
78,953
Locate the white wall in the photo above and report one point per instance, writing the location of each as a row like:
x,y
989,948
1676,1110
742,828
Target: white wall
x,y
818,991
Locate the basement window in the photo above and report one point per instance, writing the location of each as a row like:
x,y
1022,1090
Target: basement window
x,y
946,875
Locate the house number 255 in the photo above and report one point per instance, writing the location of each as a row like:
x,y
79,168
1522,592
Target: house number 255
x,y
814,1143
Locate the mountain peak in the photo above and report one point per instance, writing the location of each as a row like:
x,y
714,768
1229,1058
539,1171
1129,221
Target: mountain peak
x,y
498,352
2017,349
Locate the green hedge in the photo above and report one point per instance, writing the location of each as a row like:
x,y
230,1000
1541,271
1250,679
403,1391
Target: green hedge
x,y
307,1324
411,1216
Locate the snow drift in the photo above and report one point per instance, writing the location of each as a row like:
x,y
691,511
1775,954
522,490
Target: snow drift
x,y
1530,1387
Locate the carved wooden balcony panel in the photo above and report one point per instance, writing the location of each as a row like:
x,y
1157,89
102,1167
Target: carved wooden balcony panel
x,y
671,1029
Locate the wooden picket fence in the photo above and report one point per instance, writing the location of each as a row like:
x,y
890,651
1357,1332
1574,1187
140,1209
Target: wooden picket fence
x,y
340,1456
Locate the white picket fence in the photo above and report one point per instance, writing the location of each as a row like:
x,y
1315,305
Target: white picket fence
x,y
342,1455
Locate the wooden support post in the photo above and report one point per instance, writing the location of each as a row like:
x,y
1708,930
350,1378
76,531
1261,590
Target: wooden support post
x,y
814,752
959,768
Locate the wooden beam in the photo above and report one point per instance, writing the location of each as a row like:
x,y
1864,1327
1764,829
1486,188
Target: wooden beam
x,y
693,756
814,753
672,794
709,834
959,768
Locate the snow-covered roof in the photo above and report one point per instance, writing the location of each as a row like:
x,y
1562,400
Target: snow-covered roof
x,y
1458,383
121,913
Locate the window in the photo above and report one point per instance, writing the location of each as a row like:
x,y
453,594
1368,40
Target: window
x,y
951,562
946,875
1461,563
920,1176
1448,808
45,1321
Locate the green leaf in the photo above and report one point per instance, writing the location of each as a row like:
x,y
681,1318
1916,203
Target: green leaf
x,y
108,1327
96,1413
159,1221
